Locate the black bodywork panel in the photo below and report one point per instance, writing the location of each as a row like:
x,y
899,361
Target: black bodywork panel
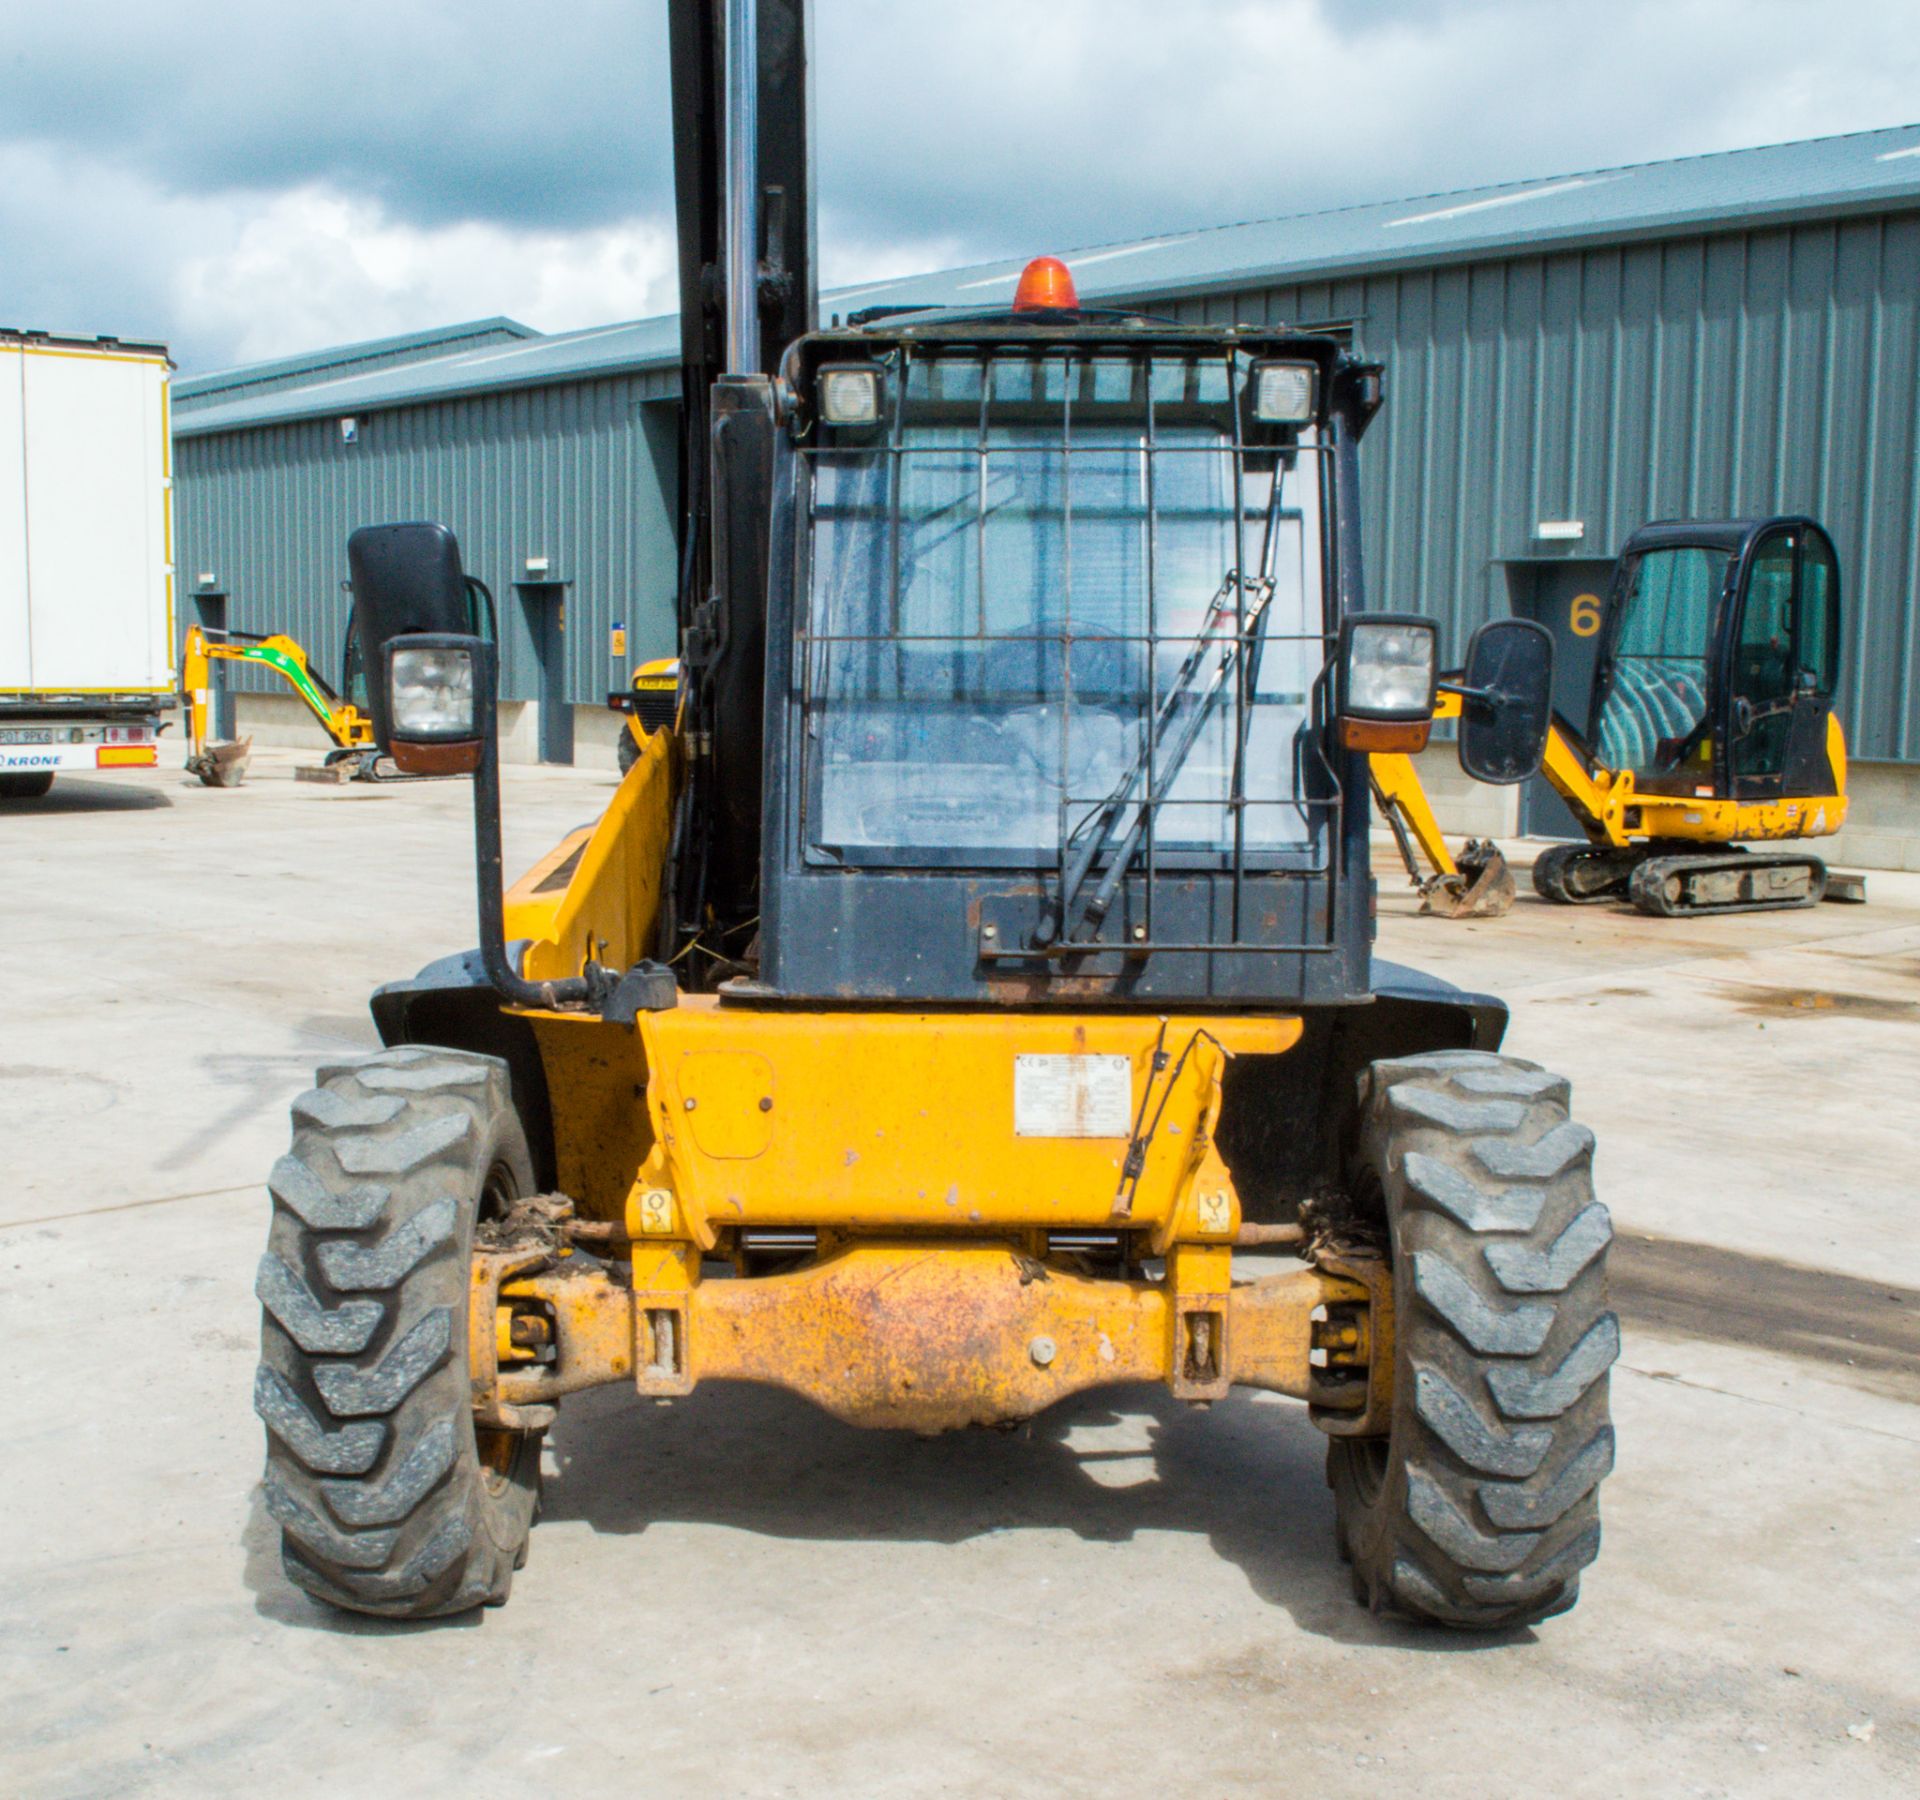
x,y
1285,1120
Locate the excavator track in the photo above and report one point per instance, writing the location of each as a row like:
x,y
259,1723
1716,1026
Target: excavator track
x,y
1736,881
1586,874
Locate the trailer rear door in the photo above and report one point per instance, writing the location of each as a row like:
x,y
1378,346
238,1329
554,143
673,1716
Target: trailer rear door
x,y
16,654
98,583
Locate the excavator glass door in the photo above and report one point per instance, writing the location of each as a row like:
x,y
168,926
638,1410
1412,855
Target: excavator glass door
x,y
1654,710
1781,672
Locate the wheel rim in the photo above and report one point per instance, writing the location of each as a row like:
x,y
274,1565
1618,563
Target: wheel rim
x,y
498,1451
1369,1459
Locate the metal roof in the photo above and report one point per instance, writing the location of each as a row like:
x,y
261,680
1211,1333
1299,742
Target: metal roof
x,y
194,391
564,356
1868,171
23,337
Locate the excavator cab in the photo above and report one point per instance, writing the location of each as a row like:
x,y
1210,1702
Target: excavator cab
x,y
1711,726
1717,661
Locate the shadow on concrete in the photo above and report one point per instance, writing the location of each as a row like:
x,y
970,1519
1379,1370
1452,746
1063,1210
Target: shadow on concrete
x,y
258,1083
1866,1333
1248,1475
76,794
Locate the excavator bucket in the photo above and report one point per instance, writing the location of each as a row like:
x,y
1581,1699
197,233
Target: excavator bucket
x,y
1482,888
222,765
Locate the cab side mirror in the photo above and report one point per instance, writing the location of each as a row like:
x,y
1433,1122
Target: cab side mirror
x,y
1506,700
407,582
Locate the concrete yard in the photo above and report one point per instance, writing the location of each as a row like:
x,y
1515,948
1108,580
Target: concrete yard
x,y
733,1594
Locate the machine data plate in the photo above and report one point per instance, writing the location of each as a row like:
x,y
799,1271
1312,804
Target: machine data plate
x,y
1072,1096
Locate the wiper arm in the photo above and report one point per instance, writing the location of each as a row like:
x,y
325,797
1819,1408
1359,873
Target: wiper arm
x,y
1108,815
1169,763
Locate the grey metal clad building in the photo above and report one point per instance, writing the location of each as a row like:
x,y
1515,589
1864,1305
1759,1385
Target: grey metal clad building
x,y
552,458
1566,358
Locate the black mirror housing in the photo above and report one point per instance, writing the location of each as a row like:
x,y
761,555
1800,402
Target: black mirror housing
x,y
407,581
1506,701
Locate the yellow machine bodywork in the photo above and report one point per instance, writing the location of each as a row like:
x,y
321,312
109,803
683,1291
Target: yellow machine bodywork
x,y
933,1289
1613,810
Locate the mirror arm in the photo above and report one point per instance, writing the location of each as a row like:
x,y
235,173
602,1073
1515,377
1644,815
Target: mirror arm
x,y
505,980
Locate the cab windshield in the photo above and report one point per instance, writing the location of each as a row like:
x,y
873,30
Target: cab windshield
x,y
1040,578
1653,715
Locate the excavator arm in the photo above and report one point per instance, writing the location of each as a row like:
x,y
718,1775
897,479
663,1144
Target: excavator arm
x,y
1475,885
349,728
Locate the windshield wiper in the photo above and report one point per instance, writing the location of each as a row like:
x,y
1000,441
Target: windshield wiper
x,y
1169,762
1257,594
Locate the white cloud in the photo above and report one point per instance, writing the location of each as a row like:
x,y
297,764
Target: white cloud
x,y
236,276
247,179
314,267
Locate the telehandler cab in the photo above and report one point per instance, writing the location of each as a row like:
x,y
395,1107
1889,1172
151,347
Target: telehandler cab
x,y
978,965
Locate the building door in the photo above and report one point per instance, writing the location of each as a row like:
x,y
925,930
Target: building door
x,y
1569,599
546,608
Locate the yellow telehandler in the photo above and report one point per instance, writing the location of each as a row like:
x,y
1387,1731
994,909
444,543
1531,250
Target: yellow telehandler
x,y
971,978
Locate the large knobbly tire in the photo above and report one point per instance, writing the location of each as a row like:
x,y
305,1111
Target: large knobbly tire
x,y
1480,1507
388,1500
628,752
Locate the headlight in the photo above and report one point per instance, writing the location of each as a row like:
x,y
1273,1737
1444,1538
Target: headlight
x,y
430,692
1283,393
850,396
1389,668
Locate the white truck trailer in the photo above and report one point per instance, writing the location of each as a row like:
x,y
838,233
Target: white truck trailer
x,y
86,557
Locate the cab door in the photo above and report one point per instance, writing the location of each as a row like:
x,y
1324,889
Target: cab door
x,y
1781,665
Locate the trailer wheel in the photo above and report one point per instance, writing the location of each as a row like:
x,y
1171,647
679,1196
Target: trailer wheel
x,y
1479,1508
389,1500
27,784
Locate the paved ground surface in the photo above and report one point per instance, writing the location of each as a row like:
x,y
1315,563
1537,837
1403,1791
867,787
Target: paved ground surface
x,y
736,1595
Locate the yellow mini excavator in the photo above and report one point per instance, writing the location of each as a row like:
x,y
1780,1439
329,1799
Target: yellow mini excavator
x,y
1710,727
222,764
968,1002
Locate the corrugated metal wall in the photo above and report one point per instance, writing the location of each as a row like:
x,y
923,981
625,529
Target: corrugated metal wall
x,y
1738,373
1741,372
581,473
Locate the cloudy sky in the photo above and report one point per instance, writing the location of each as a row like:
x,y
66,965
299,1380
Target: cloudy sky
x,y
248,178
